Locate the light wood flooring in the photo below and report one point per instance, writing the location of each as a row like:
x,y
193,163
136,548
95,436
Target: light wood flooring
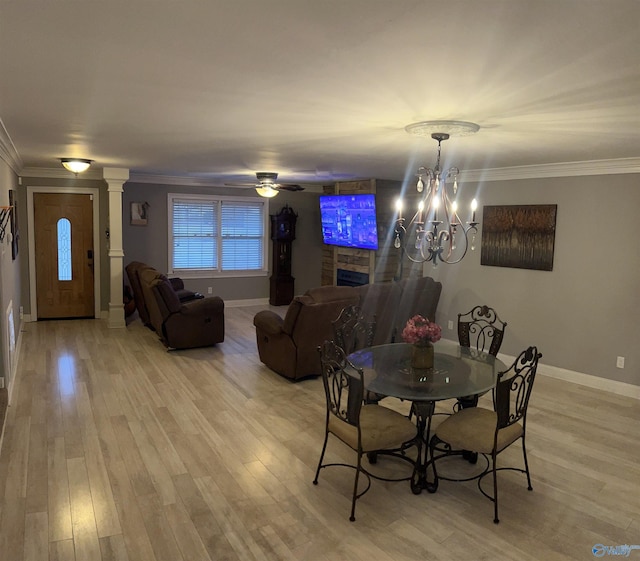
x,y
115,449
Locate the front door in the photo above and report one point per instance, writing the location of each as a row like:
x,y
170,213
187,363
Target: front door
x,y
63,225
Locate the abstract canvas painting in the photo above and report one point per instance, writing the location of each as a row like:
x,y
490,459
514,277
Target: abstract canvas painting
x,y
520,236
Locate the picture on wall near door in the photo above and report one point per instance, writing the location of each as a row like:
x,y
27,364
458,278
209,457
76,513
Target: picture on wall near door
x,y
15,233
519,236
139,214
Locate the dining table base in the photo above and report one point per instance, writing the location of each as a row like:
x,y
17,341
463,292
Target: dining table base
x,y
423,411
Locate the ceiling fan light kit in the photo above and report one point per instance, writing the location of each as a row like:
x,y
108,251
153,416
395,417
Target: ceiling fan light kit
x,y
267,191
75,165
267,185
440,234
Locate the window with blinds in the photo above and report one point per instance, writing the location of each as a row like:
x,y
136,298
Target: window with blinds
x,y
217,234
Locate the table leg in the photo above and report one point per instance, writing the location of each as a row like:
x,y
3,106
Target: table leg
x,y
423,411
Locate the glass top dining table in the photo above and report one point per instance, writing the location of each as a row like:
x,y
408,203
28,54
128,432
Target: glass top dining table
x,y
457,371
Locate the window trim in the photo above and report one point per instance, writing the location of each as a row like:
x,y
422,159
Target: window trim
x,y
217,273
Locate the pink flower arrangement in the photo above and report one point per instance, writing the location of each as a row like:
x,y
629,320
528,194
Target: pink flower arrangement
x,y
420,330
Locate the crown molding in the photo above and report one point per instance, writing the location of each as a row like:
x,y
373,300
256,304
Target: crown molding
x,y
8,151
564,169
60,173
190,181
185,180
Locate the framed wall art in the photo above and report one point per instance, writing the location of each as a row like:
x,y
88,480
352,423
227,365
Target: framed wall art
x,y
139,214
519,236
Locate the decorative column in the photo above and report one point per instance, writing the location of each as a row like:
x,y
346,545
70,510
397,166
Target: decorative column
x,y
115,178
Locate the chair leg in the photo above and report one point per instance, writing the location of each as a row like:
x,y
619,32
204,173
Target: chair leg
x,y
324,447
495,488
355,488
526,465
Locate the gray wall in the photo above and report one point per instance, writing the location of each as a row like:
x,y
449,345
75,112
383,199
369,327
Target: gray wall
x,y
581,315
10,283
150,243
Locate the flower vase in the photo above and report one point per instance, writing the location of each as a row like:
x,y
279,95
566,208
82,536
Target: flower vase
x,y
422,356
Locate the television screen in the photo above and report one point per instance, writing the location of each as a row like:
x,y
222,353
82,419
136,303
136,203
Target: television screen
x,y
349,220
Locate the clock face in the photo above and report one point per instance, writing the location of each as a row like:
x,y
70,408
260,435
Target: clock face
x,y
283,228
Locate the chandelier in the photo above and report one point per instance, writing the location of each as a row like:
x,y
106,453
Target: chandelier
x,y
436,233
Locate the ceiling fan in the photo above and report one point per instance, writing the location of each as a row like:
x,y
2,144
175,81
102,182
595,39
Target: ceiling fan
x,y
267,185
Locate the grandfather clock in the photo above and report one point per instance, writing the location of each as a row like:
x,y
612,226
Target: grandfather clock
x,y
283,232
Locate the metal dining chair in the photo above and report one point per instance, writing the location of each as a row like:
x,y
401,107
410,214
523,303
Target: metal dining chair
x,y
365,428
353,331
489,432
481,330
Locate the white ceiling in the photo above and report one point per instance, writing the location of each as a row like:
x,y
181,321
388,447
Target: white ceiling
x,y
317,90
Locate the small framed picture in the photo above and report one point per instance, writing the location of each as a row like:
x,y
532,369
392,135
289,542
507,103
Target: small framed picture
x,y
139,214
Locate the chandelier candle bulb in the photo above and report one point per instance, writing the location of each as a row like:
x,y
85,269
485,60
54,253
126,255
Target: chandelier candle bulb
x,y
474,206
399,208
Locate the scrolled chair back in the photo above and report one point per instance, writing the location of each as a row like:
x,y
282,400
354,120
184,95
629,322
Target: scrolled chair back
x,y
343,383
353,331
481,329
513,388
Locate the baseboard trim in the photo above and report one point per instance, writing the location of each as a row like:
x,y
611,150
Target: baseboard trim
x,y
588,380
582,379
251,302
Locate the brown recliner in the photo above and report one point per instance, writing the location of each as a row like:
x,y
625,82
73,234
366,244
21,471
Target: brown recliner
x,y
133,270
181,325
289,345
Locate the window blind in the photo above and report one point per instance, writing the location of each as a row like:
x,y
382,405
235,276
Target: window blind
x,y
217,234
242,236
195,234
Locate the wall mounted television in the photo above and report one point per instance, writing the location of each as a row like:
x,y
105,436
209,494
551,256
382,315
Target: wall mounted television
x,y
349,220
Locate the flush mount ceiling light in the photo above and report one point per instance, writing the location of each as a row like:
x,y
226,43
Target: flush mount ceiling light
x,y
438,234
75,165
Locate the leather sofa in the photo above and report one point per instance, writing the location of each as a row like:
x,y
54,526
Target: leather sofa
x,y
195,322
288,345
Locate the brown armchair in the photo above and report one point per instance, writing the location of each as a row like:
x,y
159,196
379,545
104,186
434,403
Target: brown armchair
x,y
197,323
289,345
